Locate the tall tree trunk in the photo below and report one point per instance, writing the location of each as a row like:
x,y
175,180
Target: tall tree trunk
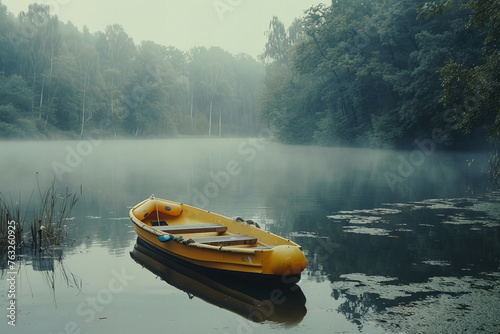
x,y
86,83
192,102
41,101
220,122
50,81
33,92
83,104
210,120
51,100
212,101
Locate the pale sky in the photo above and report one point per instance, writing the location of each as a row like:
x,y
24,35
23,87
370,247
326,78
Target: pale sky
x,y
237,26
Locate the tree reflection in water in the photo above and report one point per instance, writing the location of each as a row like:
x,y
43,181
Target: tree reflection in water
x,y
395,262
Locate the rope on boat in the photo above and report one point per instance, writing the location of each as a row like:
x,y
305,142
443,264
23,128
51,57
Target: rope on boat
x,y
157,214
179,239
168,237
248,221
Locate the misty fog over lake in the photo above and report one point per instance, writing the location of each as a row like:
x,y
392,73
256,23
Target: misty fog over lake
x,y
366,134
369,248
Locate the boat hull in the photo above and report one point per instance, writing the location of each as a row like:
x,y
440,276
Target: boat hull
x,y
213,271
272,256
273,301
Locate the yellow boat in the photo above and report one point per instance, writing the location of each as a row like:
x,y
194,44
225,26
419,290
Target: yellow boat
x,y
278,302
216,242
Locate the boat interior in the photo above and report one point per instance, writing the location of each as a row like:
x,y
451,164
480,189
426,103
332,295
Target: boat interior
x,y
201,233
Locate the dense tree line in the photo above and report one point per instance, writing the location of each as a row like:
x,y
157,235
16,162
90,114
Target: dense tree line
x,y
472,91
361,73
56,80
379,73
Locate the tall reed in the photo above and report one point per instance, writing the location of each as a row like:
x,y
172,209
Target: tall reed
x,y
8,213
55,208
49,215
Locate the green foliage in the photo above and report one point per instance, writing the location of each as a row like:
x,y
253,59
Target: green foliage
x,y
222,88
387,130
57,80
471,90
352,73
486,15
14,90
429,9
8,114
281,40
363,73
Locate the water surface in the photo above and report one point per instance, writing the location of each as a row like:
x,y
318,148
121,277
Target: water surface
x,y
419,254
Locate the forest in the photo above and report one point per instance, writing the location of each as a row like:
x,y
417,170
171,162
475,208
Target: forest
x,y
384,73
59,82
374,73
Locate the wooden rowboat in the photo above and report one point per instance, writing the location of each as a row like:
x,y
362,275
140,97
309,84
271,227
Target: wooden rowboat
x,y
216,242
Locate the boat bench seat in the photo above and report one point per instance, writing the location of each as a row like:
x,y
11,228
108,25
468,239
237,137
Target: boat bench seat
x,y
198,228
227,240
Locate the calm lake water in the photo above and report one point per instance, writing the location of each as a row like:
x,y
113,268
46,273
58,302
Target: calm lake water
x,y
396,242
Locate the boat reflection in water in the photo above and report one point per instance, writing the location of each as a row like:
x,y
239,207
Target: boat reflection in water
x,y
257,301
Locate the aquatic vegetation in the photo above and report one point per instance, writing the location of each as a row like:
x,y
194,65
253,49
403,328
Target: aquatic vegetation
x,y
55,208
6,217
47,226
